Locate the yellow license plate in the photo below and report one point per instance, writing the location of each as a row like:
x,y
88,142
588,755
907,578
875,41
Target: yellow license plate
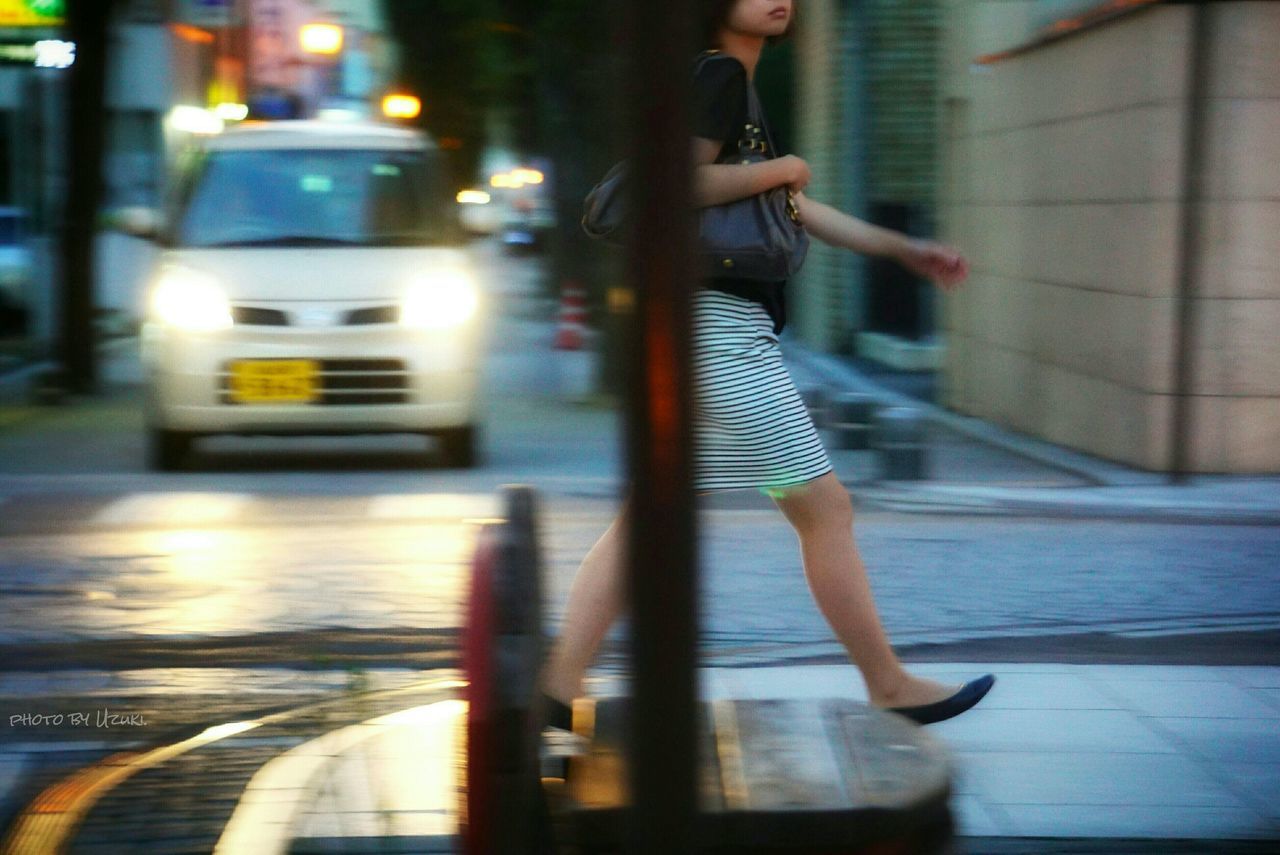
x,y
274,381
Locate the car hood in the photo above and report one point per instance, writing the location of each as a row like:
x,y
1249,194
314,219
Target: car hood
x,y
346,273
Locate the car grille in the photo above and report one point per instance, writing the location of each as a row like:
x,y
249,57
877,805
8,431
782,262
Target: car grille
x,y
251,316
348,382
254,316
374,315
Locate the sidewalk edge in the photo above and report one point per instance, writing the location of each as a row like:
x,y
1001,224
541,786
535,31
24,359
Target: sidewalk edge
x,y
910,497
15,383
1100,473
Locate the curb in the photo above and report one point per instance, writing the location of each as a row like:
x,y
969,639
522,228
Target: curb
x,y
907,497
15,384
1098,472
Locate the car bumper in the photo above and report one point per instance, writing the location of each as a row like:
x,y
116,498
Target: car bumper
x,y
388,380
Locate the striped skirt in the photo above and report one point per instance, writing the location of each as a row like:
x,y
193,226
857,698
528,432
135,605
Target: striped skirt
x,y
751,427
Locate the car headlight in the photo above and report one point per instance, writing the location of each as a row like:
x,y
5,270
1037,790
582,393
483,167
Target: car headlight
x,y
190,300
440,300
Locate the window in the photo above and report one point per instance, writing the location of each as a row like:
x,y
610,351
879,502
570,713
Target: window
x,y
312,197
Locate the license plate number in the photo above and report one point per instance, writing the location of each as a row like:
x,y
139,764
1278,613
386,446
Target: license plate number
x,y
275,381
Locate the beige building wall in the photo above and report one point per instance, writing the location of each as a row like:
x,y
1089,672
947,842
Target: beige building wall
x,y
1062,175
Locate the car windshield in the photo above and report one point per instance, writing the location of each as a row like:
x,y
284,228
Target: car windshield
x,y
311,197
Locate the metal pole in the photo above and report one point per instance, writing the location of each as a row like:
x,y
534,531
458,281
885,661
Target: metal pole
x,y
1195,143
245,14
87,25
662,566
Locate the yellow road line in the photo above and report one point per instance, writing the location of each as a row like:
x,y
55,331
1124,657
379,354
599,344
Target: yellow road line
x,y
49,823
266,826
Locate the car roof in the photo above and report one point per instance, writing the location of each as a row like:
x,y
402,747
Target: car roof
x,y
313,134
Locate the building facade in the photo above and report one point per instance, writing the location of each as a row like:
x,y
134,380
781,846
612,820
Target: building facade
x,y
867,83
1122,215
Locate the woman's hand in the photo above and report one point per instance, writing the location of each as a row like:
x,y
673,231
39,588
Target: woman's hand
x,y
942,265
796,172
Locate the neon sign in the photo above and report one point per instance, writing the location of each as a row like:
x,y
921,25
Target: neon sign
x,y
32,13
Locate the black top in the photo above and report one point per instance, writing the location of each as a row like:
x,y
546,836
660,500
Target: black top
x,y
719,113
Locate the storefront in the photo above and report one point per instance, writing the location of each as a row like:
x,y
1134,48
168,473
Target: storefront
x,y
33,59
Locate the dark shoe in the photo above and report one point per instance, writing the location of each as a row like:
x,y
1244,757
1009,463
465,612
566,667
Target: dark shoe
x,y
969,694
559,742
556,713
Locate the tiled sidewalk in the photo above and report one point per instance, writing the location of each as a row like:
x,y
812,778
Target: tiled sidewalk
x,y
1055,751
1092,751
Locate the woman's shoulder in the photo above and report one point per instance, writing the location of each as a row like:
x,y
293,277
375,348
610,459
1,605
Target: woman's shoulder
x,y
719,97
717,69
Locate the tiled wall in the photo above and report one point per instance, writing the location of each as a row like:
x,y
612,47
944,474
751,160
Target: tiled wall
x,y
1238,383
1062,173
867,76
818,298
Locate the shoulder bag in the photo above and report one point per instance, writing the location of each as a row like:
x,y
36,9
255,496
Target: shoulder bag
x,y
759,237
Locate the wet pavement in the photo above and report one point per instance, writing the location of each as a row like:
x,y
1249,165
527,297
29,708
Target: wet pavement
x,y
322,582
1112,757
163,772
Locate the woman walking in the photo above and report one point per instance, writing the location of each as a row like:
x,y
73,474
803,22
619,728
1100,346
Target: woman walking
x,y
751,427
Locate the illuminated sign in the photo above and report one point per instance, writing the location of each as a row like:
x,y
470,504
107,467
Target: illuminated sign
x,y
49,53
32,13
401,107
324,39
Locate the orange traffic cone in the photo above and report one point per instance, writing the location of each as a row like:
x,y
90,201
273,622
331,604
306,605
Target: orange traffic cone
x,y
572,328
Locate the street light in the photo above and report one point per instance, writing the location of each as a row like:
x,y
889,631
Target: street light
x,y
527,176
322,39
323,42
401,107
505,181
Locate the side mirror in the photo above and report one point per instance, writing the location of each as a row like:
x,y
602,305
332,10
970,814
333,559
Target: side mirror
x,y
145,223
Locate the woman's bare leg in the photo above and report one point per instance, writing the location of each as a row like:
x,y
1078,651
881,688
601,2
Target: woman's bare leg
x,y
596,600
822,515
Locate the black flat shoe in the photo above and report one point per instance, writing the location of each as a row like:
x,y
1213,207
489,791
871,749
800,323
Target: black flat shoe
x,y
559,742
969,694
556,713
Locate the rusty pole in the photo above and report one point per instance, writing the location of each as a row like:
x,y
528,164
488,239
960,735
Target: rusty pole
x,y
88,25
662,570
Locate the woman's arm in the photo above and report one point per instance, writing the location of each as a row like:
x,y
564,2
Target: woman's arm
x,y
718,183
941,264
839,229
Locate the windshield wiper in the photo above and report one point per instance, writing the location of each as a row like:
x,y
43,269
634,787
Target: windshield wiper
x,y
289,241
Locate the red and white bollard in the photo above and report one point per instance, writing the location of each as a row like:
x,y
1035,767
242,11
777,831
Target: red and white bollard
x,y
574,361
572,327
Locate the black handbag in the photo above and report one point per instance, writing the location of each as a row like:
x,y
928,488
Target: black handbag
x,y
759,237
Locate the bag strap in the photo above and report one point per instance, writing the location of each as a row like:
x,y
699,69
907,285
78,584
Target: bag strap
x,y
755,115
702,59
755,112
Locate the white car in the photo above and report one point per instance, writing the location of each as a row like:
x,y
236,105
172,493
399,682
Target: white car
x,y
310,281
480,212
